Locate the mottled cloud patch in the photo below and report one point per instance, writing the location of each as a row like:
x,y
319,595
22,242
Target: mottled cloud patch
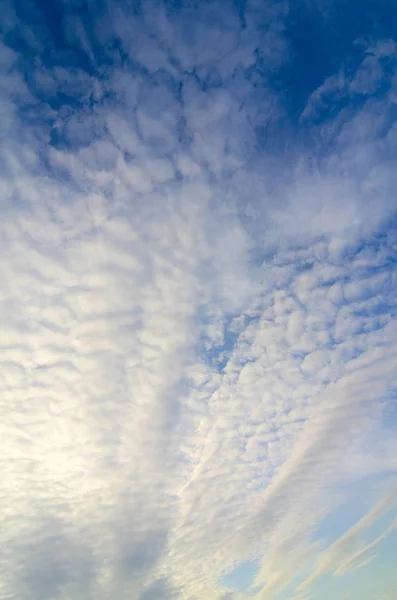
x,y
198,302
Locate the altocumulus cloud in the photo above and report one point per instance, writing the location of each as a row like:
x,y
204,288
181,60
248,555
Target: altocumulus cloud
x,y
198,294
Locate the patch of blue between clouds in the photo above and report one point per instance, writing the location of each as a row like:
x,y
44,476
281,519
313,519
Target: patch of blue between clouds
x,y
366,583
320,37
219,355
242,578
359,498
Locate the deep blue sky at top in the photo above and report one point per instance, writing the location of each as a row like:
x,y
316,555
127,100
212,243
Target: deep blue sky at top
x,y
321,37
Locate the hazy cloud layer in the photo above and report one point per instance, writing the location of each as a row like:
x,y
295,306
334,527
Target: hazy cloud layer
x,y
198,299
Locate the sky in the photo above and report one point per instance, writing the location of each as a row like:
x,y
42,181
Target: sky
x,y
198,283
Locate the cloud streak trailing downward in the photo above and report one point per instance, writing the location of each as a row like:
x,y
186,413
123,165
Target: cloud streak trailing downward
x,y
198,297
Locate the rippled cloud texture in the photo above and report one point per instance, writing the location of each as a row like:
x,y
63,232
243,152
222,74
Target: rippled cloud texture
x,y
198,300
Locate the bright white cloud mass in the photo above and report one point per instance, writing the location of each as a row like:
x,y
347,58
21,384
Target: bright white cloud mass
x,y
198,300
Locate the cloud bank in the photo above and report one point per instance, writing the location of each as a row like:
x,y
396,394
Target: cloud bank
x,y
198,297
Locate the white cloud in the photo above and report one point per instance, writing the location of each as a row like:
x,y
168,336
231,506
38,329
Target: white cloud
x,y
180,382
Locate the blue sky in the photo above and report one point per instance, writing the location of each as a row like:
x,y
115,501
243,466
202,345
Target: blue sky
x,y
198,286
